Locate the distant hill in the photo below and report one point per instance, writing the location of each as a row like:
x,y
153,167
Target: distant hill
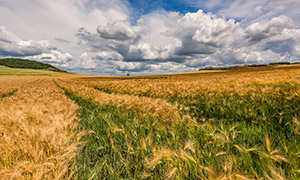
x,y
28,64
247,66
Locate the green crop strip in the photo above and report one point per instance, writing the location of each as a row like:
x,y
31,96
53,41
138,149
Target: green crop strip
x,y
106,90
8,94
122,146
115,149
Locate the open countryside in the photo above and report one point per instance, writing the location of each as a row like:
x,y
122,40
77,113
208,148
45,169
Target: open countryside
x,y
150,90
229,124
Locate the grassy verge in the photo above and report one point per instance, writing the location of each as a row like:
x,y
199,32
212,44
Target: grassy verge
x,y
235,136
8,94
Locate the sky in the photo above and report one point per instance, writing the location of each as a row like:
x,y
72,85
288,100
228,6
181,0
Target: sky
x,y
137,37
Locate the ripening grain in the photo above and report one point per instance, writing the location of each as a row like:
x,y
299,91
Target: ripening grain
x,y
222,125
189,86
36,126
241,125
7,86
144,106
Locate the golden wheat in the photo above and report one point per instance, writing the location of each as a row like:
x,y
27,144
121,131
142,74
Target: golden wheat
x,y
37,138
144,106
190,85
36,126
7,86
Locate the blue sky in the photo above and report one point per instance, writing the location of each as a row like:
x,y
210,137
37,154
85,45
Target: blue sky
x,y
116,37
147,6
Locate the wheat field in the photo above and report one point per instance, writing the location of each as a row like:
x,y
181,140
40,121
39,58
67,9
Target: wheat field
x,y
36,124
241,124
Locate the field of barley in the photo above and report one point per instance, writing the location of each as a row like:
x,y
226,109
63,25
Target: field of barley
x,y
242,124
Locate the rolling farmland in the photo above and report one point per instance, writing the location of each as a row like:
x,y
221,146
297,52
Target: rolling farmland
x,y
242,124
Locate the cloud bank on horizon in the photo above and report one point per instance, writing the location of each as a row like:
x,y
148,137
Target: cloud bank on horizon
x,y
115,37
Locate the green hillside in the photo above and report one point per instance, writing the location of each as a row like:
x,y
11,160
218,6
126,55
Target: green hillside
x,y
249,66
24,71
27,64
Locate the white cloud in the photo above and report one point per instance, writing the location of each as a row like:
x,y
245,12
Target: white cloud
x,y
119,30
53,57
202,33
108,55
12,45
265,29
250,11
194,39
35,19
260,10
98,36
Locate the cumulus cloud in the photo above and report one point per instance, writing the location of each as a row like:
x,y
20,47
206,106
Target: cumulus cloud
x,y
250,11
108,55
100,36
202,33
192,40
12,45
53,57
119,30
57,22
265,29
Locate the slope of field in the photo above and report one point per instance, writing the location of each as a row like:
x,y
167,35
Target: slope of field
x,y
221,125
